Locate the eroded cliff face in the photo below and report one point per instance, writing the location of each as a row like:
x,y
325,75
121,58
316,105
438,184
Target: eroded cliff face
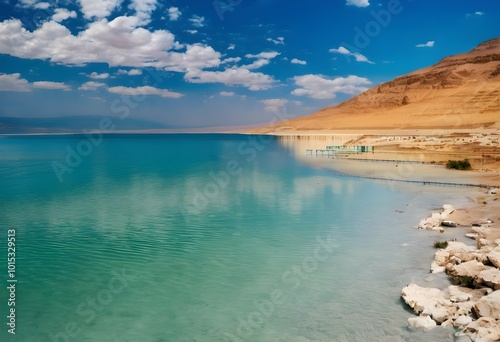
x,y
459,91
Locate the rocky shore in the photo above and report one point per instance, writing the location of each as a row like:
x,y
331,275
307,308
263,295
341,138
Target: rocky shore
x,y
472,304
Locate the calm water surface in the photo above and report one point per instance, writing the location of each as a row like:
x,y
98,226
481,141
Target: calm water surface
x,y
206,238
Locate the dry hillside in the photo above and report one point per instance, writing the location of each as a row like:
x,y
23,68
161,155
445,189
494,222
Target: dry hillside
x,y
460,91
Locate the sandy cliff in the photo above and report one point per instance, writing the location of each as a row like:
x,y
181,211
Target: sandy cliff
x,y
460,91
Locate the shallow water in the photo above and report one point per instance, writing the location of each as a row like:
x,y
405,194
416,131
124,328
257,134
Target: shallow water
x,y
207,238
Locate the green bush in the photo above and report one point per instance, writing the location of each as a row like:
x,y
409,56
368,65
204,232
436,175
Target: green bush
x,y
466,281
458,164
440,244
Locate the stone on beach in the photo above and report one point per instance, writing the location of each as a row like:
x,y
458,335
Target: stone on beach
x,y
423,298
488,306
484,329
490,278
435,220
460,294
422,322
470,269
494,258
455,251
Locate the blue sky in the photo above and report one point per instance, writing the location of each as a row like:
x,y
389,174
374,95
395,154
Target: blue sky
x,y
222,62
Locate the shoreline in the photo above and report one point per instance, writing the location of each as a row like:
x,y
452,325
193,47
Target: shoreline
x,y
474,309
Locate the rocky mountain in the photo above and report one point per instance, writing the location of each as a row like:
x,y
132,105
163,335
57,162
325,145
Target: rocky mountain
x,y
459,91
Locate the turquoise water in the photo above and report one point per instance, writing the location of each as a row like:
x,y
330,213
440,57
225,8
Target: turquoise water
x,y
205,238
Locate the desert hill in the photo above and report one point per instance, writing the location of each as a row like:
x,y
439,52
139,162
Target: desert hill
x,y
460,91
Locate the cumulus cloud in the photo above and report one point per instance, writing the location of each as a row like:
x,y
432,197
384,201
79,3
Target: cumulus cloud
x,y
430,43
197,21
145,90
13,82
98,76
143,9
63,14
42,5
231,60
51,85
265,55
274,105
98,8
174,13
298,61
263,58
233,76
131,72
278,41
226,93
358,3
192,31
231,47
91,85
118,42
256,64
320,87
357,56
121,42
34,4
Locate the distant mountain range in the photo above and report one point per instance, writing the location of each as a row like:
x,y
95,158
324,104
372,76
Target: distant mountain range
x,y
72,124
460,91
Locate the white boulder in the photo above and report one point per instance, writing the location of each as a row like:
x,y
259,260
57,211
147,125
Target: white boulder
x,y
470,269
488,306
422,322
489,277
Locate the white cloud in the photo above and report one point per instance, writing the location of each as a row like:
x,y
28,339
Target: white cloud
x,y
197,21
13,82
51,85
231,47
430,43
357,56
479,13
278,41
226,93
298,61
274,105
174,13
98,8
233,76
63,14
320,87
131,72
42,5
145,90
231,60
192,31
121,43
263,58
91,85
118,42
97,76
264,55
256,64
143,9
358,3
